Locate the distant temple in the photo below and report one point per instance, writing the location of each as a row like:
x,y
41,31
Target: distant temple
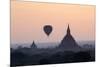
x,y
33,45
68,41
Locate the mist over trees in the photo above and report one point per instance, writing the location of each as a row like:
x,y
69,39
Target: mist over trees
x,y
68,51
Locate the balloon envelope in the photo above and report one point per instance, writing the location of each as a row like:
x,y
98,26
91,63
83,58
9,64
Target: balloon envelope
x,y
48,29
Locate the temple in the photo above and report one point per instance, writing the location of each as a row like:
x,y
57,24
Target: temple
x,y
68,41
33,45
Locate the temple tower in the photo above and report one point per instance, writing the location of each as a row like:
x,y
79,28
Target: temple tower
x,y
68,42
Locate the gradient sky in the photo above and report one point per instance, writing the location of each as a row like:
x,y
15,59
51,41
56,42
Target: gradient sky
x,y
28,19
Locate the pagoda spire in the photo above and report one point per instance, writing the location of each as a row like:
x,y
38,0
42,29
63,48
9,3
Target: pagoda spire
x,y
68,30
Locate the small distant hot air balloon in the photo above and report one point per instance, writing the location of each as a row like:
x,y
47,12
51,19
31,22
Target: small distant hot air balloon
x,y
47,29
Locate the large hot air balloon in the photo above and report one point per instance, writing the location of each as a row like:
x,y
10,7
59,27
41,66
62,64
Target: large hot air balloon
x,y
47,29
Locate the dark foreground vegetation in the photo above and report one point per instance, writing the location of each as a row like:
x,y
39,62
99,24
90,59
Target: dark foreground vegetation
x,y
30,56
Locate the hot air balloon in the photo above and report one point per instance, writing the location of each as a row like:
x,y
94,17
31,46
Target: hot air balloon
x,y
47,29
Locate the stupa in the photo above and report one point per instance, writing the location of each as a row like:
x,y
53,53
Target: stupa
x,y
33,45
68,41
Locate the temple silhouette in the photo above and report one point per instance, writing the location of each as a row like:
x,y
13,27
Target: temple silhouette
x,y
68,42
33,45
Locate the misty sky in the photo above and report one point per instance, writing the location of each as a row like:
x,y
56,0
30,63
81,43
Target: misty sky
x,y
28,19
